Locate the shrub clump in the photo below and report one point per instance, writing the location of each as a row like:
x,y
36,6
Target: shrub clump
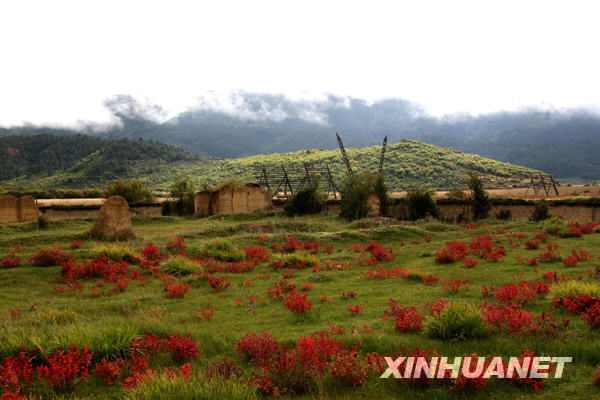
x,y
133,192
222,250
540,211
116,251
50,257
310,200
480,202
457,321
421,203
180,266
355,192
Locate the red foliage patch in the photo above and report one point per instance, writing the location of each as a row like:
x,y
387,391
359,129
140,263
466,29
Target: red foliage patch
x,y
50,257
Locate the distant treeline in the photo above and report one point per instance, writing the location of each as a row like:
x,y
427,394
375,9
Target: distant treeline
x,y
56,193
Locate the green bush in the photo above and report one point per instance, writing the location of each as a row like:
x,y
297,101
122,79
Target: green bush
x,y
197,386
223,250
42,222
133,192
180,266
355,192
540,211
459,321
504,214
309,200
183,189
554,225
421,203
178,207
480,202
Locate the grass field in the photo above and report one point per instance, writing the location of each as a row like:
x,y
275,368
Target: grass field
x,y
49,314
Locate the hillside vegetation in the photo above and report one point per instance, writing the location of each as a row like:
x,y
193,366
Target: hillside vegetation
x,y
407,163
563,143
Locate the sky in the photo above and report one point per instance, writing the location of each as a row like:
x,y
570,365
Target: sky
x,y
60,60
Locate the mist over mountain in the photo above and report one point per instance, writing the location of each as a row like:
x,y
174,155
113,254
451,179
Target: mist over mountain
x,y
564,143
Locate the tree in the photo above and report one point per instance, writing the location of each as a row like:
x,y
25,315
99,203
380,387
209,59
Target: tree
x,y
355,192
133,192
183,189
480,202
421,203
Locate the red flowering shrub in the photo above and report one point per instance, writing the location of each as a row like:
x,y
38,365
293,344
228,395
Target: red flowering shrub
x,y
489,291
16,373
64,370
109,371
592,316
570,261
354,309
576,304
541,236
348,294
597,378
297,303
453,284
177,246
258,349
356,248
181,347
514,319
348,368
378,252
431,279
521,293
212,265
10,261
50,257
382,273
582,255
406,319
453,251
469,263
151,252
463,382
435,308
226,369
176,289
532,244
256,254
549,254
534,384
76,244
552,277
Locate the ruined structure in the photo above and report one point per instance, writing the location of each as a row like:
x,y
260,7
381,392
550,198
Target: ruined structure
x,y
113,222
228,200
21,209
8,209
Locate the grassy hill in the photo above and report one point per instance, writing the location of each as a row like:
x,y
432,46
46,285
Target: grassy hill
x,y
79,161
407,163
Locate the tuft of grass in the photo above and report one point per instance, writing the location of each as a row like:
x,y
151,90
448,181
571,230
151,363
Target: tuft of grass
x,y
309,260
115,251
195,387
574,288
180,266
222,250
459,321
55,316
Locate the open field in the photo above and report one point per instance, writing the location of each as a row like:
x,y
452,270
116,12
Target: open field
x,y
51,312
